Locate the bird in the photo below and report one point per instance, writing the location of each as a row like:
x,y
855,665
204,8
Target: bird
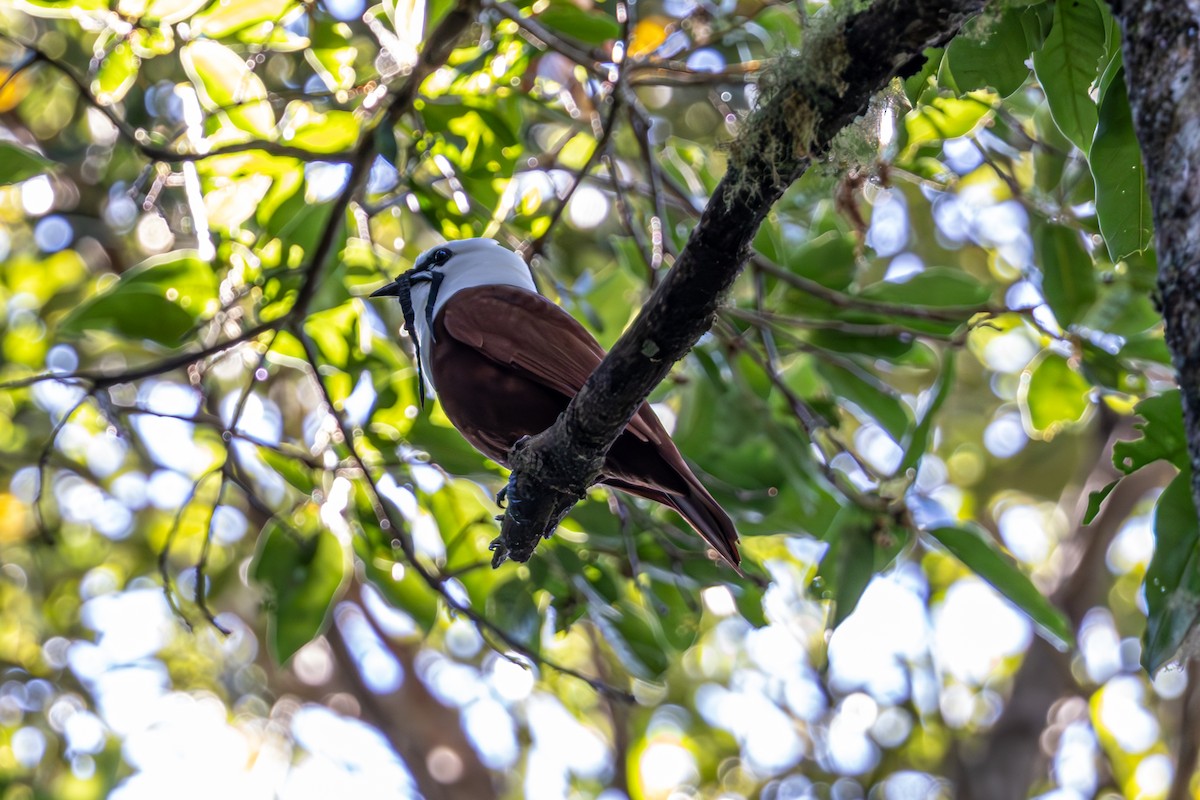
x,y
504,361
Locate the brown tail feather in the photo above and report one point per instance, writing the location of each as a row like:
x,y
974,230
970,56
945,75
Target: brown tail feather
x,y
700,511
710,521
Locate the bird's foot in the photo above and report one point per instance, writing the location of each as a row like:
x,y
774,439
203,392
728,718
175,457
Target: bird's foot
x,y
508,494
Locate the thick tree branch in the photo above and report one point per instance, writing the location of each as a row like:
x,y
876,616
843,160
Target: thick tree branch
x,y
1162,66
806,101
1162,73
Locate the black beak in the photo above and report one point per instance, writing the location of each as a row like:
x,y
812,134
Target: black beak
x,y
398,287
391,290
401,288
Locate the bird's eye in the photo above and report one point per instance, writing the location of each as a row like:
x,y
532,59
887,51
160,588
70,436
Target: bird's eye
x,y
441,256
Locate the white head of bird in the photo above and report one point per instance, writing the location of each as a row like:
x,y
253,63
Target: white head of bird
x,y
441,272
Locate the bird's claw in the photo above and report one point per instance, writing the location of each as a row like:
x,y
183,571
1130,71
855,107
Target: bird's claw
x,y
499,552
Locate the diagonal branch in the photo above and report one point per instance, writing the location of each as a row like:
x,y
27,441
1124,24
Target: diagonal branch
x,y
806,100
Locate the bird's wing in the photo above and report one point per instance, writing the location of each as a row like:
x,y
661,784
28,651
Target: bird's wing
x,y
526,331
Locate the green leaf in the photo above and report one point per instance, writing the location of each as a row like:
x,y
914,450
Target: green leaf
x,y
827,258
19,164
916,446
854,561
1067,65
887,409
936,287
1150,346
943,118
222,19
996,60
292,470
634,635
386,145
116,76
330,132
1096,500
226,84
512,607
1054,396
466,519
57,9
405,589
1068,277
1173,577
330,330
332,55
1122,203
983,558
160,299
1162,432
593,27
676,600
137,313
302,577
920,83
172,11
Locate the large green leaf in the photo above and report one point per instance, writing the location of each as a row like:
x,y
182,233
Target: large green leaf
x,y
984,559
995,59
1068,278
1067,65
1173,577
161,300
1122,203
302,576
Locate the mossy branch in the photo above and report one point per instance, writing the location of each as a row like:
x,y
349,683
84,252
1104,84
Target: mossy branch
x,y
805,100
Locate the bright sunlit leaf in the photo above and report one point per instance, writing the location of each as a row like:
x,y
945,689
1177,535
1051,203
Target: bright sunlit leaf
x,y
116,75
226,84
1053,395
222,19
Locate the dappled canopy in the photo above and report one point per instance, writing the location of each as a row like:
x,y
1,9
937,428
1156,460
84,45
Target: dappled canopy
x,y
213,448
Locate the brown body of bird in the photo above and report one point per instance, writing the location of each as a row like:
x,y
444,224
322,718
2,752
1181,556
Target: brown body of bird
x,y
505,362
